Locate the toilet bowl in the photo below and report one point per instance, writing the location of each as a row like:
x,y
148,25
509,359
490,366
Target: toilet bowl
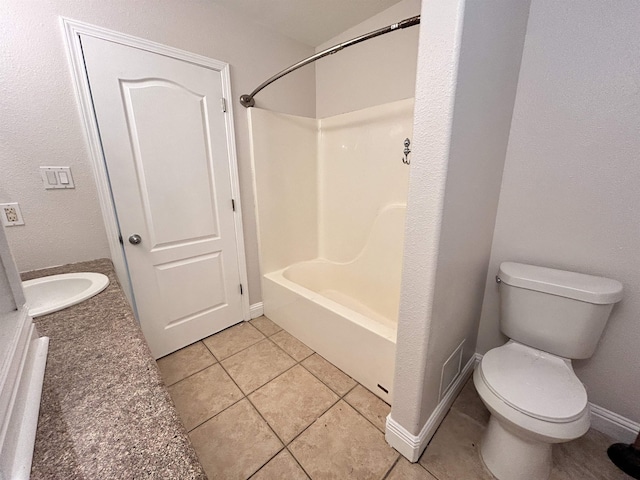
x,y
535,400
528,384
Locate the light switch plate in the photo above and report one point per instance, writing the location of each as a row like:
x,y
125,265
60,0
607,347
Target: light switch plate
x,y
55,178
11,215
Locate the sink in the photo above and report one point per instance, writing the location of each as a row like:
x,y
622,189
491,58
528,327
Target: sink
x,y
56,292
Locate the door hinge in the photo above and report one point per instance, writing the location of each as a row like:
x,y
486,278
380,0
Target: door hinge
x,y
223,104
241,293
233,204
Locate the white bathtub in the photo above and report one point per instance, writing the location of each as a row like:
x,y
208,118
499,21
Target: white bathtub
x,y
347,312
330,197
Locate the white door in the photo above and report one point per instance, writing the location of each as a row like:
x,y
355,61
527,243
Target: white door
x,y
163,133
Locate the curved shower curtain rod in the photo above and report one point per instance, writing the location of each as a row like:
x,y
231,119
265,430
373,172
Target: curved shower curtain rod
x,y
248,101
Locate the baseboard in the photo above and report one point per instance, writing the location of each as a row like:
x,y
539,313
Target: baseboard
x,y
256,310
610,423
411,446
616,426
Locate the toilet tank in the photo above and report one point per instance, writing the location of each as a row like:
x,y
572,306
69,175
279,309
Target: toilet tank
x,y
556,311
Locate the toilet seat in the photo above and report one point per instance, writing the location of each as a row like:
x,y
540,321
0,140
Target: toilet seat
x,y
538,384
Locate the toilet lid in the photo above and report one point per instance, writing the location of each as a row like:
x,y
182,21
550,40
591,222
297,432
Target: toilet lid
x,y
536,383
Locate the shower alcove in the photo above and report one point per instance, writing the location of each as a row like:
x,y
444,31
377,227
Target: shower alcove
x,y
331,197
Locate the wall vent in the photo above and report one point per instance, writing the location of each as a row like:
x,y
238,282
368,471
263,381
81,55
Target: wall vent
x,y
451,370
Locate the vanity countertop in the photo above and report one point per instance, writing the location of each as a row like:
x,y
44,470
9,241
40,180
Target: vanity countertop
x,y
105,412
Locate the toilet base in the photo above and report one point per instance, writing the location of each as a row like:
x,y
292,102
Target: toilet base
x,y
511,457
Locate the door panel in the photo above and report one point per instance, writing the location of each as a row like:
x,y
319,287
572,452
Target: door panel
x,y
173,213
164,141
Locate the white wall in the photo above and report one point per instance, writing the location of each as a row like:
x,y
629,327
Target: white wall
x,y
468,66
570,190
40,122
380,70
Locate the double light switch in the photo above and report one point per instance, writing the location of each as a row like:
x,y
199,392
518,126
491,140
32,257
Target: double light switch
x,y
56,177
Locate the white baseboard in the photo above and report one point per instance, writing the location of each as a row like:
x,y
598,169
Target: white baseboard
x,y
256,310
411,446
616,426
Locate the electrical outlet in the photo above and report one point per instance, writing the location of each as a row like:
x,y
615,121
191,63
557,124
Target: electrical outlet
x,y
10,214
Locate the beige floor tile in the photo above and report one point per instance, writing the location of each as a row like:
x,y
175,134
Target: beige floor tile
x,y
404,470
453,453
290,344
266,326
341,444
585,458
235,443
233,339
365,402
330,375
255,366
281,467
184,362
469,403
291,402
203,395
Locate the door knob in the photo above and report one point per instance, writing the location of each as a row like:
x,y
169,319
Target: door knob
x,y
135,239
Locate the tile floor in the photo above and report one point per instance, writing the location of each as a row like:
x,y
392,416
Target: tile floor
x,y
260,404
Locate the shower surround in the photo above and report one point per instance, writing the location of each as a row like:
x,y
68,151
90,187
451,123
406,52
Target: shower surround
x,y
331,197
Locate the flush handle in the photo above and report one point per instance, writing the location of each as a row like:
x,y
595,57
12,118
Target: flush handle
x,y
135,239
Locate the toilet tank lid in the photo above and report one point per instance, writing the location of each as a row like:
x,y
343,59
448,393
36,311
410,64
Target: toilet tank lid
x,y
577,286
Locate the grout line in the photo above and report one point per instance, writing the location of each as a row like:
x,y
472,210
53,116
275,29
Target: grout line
x,y
281,348
264,384
363,416
425,469
317,418
392,467
246,396
296,460
273,431
322,381
213,416
234,353
351,389
190,375
229,328
265,463
264,419
281,329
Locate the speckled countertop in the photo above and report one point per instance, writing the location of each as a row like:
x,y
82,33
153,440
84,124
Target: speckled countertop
x,y
105,412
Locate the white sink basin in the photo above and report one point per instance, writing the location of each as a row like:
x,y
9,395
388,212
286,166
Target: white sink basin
x,y
50,294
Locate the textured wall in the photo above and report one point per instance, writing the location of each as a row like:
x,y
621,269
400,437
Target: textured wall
x,y
41,125
381,70
467,75
570,190
435,88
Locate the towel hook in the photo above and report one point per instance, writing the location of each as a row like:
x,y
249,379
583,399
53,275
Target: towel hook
x,y
407,151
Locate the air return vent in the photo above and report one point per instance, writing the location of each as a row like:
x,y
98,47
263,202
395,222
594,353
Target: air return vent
x,y
451,370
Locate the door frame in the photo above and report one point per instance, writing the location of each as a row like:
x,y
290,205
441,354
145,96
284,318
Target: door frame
x,y
72,30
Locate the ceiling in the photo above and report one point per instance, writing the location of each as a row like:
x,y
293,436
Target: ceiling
x,y
312,22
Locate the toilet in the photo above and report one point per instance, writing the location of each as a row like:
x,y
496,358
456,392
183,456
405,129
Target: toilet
x,y
528,384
